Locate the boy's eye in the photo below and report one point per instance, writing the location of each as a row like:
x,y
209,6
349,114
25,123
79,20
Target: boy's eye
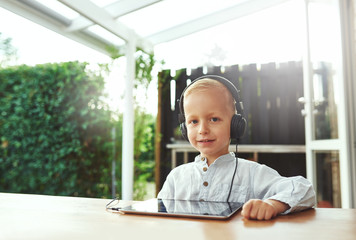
x,y
214,119
194,121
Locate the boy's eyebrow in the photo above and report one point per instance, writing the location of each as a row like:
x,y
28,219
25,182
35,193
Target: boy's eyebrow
x,y
211,114
190,116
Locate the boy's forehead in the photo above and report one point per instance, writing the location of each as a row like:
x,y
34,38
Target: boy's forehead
x,y
208,89
209,85
217,96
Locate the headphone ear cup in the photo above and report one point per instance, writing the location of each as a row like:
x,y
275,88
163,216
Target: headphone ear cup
x,y
238,126
183,130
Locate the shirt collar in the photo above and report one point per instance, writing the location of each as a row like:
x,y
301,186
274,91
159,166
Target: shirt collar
x,y
226,157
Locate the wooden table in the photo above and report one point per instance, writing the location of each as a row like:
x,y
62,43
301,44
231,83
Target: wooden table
x,y
25,216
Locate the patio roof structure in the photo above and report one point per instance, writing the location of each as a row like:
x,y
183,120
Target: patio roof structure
x,y
131,24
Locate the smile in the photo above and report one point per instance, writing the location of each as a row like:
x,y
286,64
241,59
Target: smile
x,y
205,141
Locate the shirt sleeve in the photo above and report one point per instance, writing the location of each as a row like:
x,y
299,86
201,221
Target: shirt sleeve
x,y
297,191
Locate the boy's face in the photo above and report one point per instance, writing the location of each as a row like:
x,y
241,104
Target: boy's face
x,y
208,116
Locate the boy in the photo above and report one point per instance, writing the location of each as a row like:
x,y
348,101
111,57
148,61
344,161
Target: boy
x,y
216,175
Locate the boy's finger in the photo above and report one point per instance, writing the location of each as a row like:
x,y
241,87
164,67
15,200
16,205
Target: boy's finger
x,y
261,215
246,208
254,210
269,214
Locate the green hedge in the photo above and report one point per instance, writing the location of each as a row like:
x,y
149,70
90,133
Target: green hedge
x,y
55,131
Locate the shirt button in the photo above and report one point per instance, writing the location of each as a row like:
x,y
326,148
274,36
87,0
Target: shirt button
x,y
205,184
205,169
202,158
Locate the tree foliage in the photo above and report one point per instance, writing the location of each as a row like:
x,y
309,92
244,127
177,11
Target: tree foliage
x,y
55,131
143,152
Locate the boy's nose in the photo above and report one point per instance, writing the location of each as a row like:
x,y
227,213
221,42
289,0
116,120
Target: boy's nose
x,y
203,128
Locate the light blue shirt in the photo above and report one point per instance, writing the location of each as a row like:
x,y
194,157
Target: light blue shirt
x,y
198,181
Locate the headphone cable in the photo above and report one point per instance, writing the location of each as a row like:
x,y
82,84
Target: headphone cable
x,y
233,176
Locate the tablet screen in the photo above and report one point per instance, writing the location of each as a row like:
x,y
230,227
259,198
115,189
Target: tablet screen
x,y
184,208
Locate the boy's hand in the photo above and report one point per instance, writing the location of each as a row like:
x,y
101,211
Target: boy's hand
x,y
263,210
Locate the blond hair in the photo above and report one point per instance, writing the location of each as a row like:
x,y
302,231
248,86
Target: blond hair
x,y
208,83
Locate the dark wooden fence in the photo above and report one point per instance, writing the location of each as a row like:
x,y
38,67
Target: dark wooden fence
x,y
269,94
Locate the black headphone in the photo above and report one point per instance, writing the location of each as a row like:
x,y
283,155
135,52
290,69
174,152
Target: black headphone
x,y
238,122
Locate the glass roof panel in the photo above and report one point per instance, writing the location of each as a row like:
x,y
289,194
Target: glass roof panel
x,y
271,40
149,19
170,13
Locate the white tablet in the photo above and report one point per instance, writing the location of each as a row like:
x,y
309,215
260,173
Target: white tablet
x,y
184,208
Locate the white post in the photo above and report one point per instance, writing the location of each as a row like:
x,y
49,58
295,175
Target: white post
x,y
128,123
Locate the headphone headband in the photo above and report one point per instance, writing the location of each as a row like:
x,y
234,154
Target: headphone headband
x,y
227,83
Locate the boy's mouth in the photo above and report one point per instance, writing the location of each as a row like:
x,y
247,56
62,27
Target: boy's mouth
x,y
205,140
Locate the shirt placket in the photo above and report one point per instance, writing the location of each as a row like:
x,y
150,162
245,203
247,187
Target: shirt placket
x,y
206,180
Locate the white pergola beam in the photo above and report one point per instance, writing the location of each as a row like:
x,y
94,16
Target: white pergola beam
x,y
33,11
115,10
211,20
44,19
105,20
